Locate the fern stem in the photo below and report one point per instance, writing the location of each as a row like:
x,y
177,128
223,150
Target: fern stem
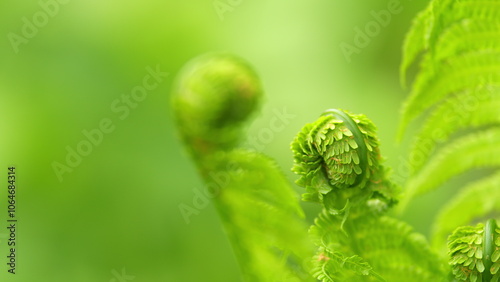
x,y
377,276
358,137
489,247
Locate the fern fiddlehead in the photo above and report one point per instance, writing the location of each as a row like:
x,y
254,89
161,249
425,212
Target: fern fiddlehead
x,y
360,148
338,160
475,251
214,96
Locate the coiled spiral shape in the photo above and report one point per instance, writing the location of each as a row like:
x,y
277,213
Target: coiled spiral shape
x,y
338,160
475,252
214,95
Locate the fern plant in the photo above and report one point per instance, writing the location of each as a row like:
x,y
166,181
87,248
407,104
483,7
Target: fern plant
x,y
457,92
212,98
339,163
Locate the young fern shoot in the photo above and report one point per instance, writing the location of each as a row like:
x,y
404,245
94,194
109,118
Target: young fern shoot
x,y
214,96
338,160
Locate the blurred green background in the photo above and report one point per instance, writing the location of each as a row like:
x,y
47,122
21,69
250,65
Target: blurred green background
x,y
117,212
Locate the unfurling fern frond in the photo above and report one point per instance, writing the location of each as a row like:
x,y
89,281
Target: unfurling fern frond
x,y
338,160
214,96
475,252
457,89
475,150
261,216
460,52
339,163
476,109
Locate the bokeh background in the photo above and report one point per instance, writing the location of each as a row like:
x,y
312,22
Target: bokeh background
x,y
117,212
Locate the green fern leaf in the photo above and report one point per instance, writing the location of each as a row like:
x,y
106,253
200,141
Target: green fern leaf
x,y
261,216
480,148
471,109
415,42
338,160
214,96
456,88
465,72
459,42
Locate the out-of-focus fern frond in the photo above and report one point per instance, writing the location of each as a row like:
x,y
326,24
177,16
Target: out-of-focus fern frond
x,y
355,241
338,160
214,96
261,216
382,246
475,150
457,92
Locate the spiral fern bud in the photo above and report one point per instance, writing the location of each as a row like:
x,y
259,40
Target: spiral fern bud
x,y
338,160
475,251
213,96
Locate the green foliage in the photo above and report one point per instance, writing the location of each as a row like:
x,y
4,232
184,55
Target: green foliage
x,y
456,89
387,248
458,113
339,164
261,216
258,208
355,241
459,47
475,252
481,149
214,96
438,34
338,160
